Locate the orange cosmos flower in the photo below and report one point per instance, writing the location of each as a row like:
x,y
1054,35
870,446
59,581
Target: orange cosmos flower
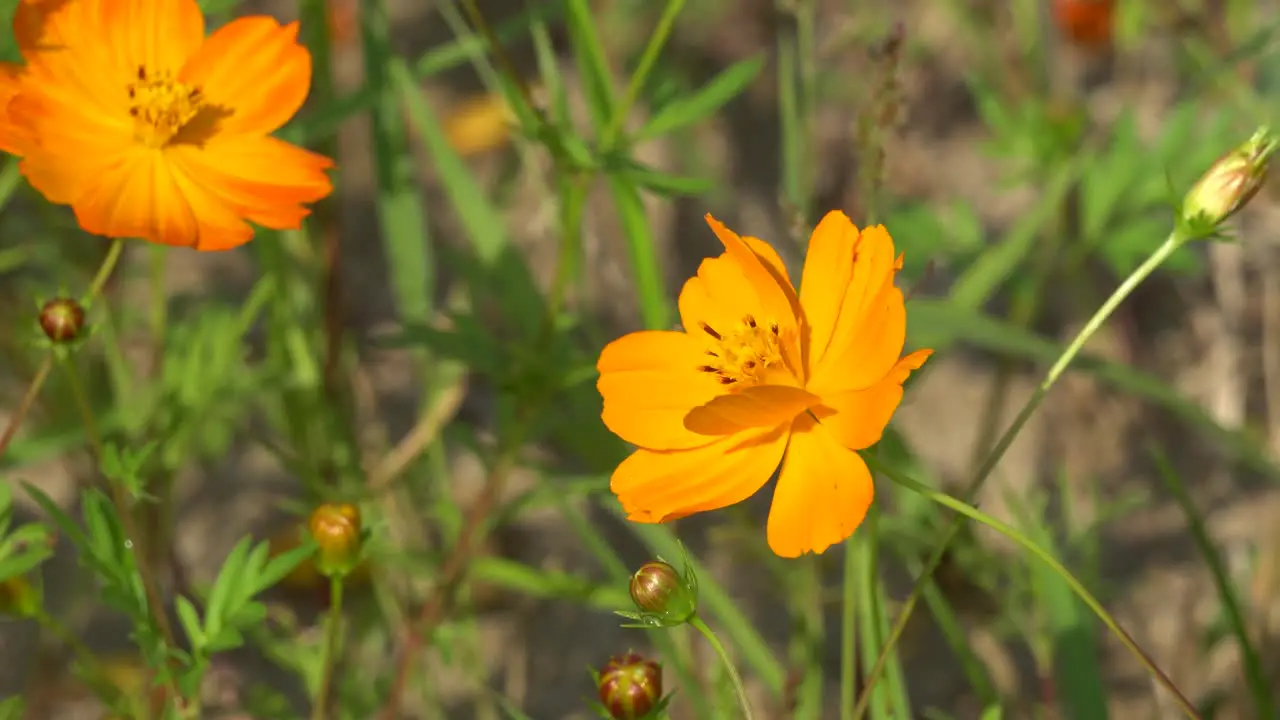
x,y
760,377
125,111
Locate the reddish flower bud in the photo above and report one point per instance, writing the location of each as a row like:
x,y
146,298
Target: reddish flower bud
x,y
660,591
630,686
62,319
337,531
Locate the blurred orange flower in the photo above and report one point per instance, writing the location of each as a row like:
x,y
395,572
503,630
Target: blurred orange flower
x,y
1087,23
760,377
125,111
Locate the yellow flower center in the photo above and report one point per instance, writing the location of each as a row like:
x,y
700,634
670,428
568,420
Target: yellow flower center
x,y
161,106
744,354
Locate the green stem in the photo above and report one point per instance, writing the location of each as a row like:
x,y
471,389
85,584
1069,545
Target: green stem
x,y
728,663
330,649
1040,553
647,59
1162,253
123,506
105,269
848,632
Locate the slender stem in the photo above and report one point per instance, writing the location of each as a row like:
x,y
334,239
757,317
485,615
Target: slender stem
x,y
1044,556
1172,243
728,663
331,648
46,365
105,269
848,632
24,405
647,59
120,498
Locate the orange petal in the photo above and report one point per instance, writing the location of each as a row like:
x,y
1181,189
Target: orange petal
x,y
159,35
828,269
145,197
754,407
255,68
264,179
650,381
857,418
658,486
766,297
822,495
871,329
13,137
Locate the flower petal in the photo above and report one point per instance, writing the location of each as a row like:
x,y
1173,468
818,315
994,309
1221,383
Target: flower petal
x,y
859,315
13,136
144,196
828,269
264,179
158,35
765,297
857,418
822,495
659,486
754,407
136,197
254,67
650,381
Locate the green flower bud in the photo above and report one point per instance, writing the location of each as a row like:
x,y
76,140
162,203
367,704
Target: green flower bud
x,y
630,686
337,531
62,319
664,596
1232,181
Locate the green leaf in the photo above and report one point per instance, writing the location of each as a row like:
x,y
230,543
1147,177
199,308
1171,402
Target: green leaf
x,y
191,624
718,91
65,523
224,593
662,183
283,564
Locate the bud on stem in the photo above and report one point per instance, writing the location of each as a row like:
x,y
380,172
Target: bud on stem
x,y
630,686
339,535
62,319
1232,181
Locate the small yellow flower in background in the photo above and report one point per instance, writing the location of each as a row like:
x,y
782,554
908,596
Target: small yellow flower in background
x,y
760,377
479,124
125,111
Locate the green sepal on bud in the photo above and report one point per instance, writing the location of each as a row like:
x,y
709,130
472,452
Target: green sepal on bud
x,y
630,688
1228,185
339,536
664,596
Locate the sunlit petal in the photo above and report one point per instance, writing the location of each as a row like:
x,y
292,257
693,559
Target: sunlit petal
x,y
659,486
822,493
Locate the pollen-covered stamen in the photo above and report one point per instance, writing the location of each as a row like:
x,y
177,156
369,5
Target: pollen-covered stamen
x,y
161,106
745,353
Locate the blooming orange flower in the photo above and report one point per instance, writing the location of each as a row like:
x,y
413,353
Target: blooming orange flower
x,y
760,377
125,111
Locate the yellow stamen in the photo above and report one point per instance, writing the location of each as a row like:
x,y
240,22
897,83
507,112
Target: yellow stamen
x,y
161,106
743,356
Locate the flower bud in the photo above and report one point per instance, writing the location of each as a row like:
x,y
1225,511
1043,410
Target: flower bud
x,y
1232,181
20,596
658,589
62,319
337,531
630,686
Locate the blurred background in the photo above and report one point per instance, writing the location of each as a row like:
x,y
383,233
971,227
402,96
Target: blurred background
x,y
1025,156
